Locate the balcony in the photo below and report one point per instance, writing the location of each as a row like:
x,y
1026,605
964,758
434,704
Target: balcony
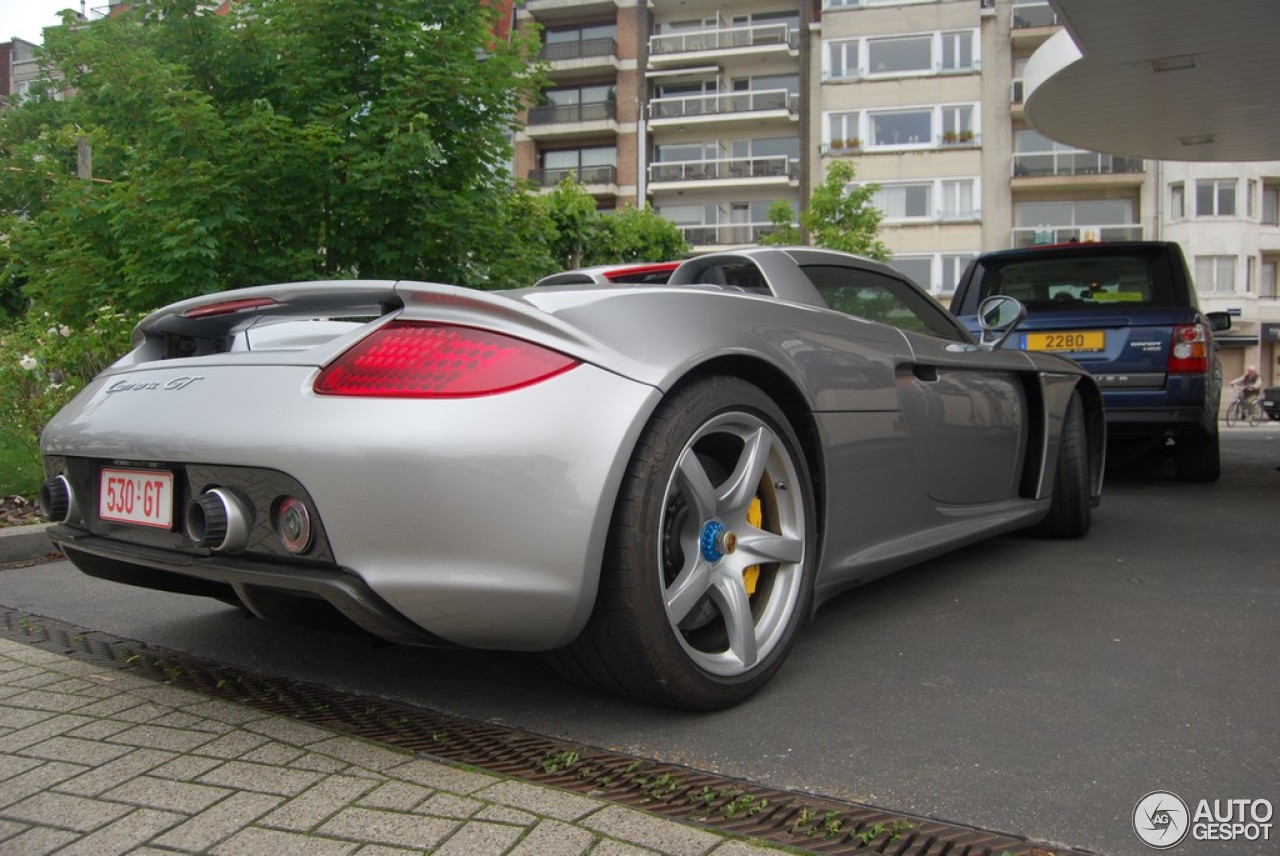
x,y
674,48
774,169
1032,23
588,175
565,121
1079,167
585,55
582,49
1033,15
1036,236
720,106
725,234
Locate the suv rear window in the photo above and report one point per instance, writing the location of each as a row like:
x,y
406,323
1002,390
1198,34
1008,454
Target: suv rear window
x,y
1090,279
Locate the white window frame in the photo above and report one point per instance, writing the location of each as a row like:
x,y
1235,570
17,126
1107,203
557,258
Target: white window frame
x,y
920,141
975,62
1216,274
930,66
850,122
887,187
1220,187
1177,200
849,70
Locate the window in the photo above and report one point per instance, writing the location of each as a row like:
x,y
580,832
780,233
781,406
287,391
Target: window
x,y
918,269
957,51
842,59
905,201
1216,274
958,200
1177,201
1270,205
1216,197
899,128
911,54
1250,196
1085,219
842,128
958,120
885,299
953,267
590,166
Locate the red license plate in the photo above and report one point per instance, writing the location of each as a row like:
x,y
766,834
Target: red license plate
x,y
140,497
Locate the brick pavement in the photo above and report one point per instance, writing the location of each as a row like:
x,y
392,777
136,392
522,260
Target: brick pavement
x,y
104,762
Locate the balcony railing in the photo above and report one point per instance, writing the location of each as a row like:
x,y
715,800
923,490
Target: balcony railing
x,y
581,49
1035,235
1027,15
592,111
720,103
773,166
1078,162
713,234
605,174
731,38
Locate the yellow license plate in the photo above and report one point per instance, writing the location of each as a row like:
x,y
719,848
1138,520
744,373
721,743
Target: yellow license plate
x,y
1076,341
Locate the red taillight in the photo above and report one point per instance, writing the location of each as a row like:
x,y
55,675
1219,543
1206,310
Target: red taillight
x,y
226,307
1189,349
410,359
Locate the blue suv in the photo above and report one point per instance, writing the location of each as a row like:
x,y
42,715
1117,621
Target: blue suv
x,y
1127,312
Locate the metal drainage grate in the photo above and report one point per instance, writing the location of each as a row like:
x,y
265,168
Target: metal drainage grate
x,y
798,820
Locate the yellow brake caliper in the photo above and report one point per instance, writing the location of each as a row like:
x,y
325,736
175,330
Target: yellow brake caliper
x,y
755,516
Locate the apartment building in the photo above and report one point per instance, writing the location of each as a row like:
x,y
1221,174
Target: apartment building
x,y
711,110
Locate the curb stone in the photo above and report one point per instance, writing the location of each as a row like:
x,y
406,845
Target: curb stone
x,y
20,543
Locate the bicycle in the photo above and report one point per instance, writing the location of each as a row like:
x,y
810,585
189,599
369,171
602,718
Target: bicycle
x,y
1244,408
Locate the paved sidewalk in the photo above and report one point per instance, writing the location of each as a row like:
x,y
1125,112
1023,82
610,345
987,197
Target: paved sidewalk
x,y
101,762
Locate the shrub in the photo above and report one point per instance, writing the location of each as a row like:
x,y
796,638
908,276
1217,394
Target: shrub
x,y
43,364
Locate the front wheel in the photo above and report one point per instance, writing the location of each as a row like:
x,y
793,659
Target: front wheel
x,y
1071,512
1233,414
708,570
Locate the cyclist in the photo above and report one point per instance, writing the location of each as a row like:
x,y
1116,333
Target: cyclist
x,y
1250,384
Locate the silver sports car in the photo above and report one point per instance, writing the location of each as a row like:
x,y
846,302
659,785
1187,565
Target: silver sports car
x,y
653,484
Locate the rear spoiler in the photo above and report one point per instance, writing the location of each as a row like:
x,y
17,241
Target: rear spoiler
x,y
208,324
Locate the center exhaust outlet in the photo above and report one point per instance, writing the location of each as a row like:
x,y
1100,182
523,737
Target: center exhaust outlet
x,y
217,519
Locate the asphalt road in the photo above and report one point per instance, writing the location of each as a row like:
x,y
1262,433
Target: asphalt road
x,y
1032,687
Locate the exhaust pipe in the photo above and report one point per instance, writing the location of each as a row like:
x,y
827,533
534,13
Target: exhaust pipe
x,y
57,502
218,520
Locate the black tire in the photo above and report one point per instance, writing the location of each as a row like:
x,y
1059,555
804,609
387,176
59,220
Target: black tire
x,y
1196,457
717,479
1071,511
1233,414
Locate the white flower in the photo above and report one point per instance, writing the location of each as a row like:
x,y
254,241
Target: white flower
x,y
64,331
28,362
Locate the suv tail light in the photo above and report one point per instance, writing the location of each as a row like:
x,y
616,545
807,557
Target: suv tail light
x,y
1189,351
414,359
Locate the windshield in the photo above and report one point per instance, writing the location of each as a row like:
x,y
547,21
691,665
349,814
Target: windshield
x,y
1093,278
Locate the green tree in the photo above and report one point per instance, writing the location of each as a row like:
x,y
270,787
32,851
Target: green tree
x,y
290,139
636,234
839,216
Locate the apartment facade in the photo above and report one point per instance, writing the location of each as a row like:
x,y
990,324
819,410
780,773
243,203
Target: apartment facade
x,y
720,108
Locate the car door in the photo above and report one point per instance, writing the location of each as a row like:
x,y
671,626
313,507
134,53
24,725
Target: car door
x,y
964,409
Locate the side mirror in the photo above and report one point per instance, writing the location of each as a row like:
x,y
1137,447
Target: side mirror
x,y
998,317
1218,321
